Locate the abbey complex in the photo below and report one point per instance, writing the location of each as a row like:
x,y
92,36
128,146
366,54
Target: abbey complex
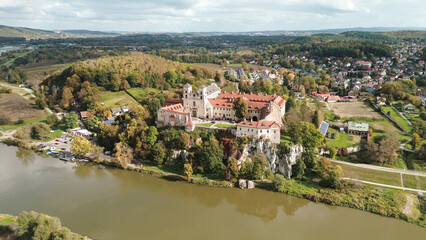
x,y
264,118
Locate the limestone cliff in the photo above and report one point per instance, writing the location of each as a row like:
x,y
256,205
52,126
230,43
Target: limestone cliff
x,y
276,163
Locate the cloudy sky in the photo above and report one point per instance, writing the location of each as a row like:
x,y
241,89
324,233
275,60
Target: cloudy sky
x,y
211,15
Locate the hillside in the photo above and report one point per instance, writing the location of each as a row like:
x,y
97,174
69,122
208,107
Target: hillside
x,y
28,33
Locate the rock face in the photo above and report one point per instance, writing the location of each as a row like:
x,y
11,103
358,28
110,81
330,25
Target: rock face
x,y
176,154
276,164
242,183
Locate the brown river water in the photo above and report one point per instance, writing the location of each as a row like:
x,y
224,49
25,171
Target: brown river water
x,y
119,204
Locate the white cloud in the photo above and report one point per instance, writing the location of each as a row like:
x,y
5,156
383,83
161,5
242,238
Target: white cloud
x,y
210,15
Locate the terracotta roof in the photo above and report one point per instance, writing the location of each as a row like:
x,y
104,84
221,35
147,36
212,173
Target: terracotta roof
x,y
254,101
174,108
172,101
83,114
260,124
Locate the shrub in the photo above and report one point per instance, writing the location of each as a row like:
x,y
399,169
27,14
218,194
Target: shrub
x,y
278,183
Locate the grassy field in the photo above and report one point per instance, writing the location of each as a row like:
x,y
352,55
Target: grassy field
x,y
404,124
224,125
382,177
6,219
343,141
117,99
205,124
140,93
17,107
354,110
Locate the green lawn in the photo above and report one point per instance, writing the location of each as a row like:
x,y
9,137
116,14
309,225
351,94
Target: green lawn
x,y
11,126
224,125
6,219
343,141
117,99
382,177
140,93
205,124
397,117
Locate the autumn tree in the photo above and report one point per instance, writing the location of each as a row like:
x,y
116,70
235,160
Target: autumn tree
x,y
328,173
123,154
187,170
240,107
184,141
40,131
415,140
232,167
209,156
67,96
80,146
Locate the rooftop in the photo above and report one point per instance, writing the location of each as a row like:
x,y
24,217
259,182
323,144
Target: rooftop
x,y
358,126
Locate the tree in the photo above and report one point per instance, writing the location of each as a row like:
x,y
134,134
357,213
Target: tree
x,y
40,102
184,141
290,104
40,131
333,152
123,154
80,146
171,77
52,119
67,96
153,105
209,155
299,169
187,170
158,153
70,121
232,168
259,166
330,174
244,65
240,107
151,137
278,183
306,134
318,118
415,140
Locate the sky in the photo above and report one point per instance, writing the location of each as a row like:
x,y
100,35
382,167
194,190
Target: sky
x,y
211,15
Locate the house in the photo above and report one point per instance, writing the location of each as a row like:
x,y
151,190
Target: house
x,y
260,130
125,109
232,72
333,99
408,106
116,112
83,115
358,128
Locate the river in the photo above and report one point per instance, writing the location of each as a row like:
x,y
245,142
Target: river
x,y
117,204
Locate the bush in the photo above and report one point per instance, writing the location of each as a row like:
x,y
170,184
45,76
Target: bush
x,y
278,183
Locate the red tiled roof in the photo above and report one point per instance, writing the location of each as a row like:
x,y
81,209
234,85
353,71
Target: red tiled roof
x,y
172,101
254,101
83,114
260,124
174,108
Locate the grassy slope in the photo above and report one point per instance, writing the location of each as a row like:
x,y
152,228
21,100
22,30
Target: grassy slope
x,y
397,118
117,99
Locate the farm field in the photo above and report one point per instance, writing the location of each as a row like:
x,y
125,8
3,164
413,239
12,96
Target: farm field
x,y
17,107
353,110
117,99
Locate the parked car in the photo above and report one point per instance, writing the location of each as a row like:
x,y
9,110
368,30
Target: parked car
x,y
63,149
52,148
57,143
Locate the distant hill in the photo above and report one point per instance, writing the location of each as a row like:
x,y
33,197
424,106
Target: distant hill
x,y
89,33
28,33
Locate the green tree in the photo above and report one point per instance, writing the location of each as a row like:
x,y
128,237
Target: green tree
x,y
306,134
80,146
298,170
187,170
152,134
259,166
52,120
70,121
40,131
291,103
40,102
240,107
232,168
333,152
328,173
158,153
210,155
171,77
184,141
278,183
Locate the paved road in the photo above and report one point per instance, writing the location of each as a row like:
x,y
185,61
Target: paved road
x,y
384,169
385,185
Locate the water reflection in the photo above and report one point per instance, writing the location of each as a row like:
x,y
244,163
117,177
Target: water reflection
x,y
27,157
255,202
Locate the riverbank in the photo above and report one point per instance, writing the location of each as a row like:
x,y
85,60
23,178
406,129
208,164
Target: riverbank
x,y
382,201
30,225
